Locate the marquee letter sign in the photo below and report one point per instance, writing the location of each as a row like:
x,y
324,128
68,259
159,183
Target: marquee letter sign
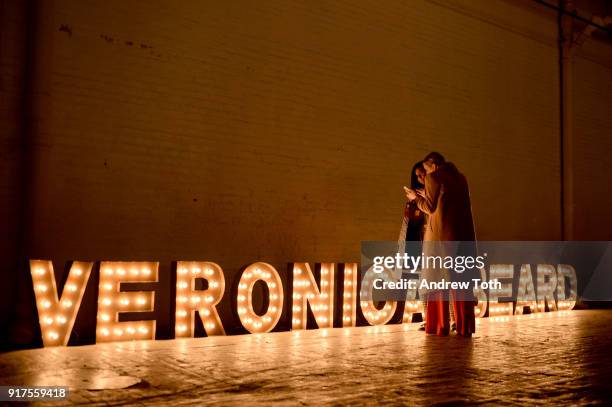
x,y
497,272
200,286
250,320
349,294
112,300
306,292
190,301
56,315
373,314
525,297
566,301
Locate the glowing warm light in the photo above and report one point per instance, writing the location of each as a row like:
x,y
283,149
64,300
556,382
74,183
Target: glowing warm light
x,y
566,301
556,290
500,272
373,314
525,296
306,293
412,306
481,296
547,284
57,315
189,300
113,301
349,295
249,319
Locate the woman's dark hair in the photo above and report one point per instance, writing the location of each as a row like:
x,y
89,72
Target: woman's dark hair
x,y
414,180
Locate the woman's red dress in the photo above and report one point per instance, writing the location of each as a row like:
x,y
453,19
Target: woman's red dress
x,y
437,315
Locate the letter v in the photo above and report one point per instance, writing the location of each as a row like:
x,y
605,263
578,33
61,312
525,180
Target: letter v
x,y
57,315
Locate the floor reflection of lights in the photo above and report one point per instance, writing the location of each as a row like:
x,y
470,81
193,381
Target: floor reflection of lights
x,y
509,358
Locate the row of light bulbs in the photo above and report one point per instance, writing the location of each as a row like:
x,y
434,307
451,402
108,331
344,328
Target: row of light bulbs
x,y
306,292
251,321
57,316
112,301
549,281
371,312
190,300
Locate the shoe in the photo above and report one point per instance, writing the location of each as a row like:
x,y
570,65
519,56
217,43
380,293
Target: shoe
x,y
453,327
422,326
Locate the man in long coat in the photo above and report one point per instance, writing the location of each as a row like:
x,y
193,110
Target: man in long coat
x,y
449,232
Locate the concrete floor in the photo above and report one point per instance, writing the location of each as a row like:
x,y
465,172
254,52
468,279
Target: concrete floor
x,y
560,358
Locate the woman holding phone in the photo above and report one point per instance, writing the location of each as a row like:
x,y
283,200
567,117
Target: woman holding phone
x,y
416,218
414,221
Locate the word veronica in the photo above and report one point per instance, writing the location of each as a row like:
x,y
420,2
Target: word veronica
x,y
57,314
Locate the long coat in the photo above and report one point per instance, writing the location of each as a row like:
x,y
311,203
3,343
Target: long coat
x,y
447,204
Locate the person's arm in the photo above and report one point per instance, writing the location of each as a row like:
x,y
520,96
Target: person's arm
x,y
429,200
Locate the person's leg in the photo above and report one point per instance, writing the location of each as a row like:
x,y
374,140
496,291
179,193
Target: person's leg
x,y
465,319
437,314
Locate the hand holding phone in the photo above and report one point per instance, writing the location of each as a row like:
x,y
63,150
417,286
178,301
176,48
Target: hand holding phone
x,y
410,194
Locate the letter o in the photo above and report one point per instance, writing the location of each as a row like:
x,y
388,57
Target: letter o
x,y
250,320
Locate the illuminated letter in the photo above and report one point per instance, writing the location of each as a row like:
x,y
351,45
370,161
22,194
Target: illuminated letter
x,y
306,292
349,295
372,314
546,287
376,316
563,301
496,272
189,300
250,320
412,305
57,316
481,308
525,296
112,301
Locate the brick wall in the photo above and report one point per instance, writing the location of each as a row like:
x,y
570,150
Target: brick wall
x,y
592,144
